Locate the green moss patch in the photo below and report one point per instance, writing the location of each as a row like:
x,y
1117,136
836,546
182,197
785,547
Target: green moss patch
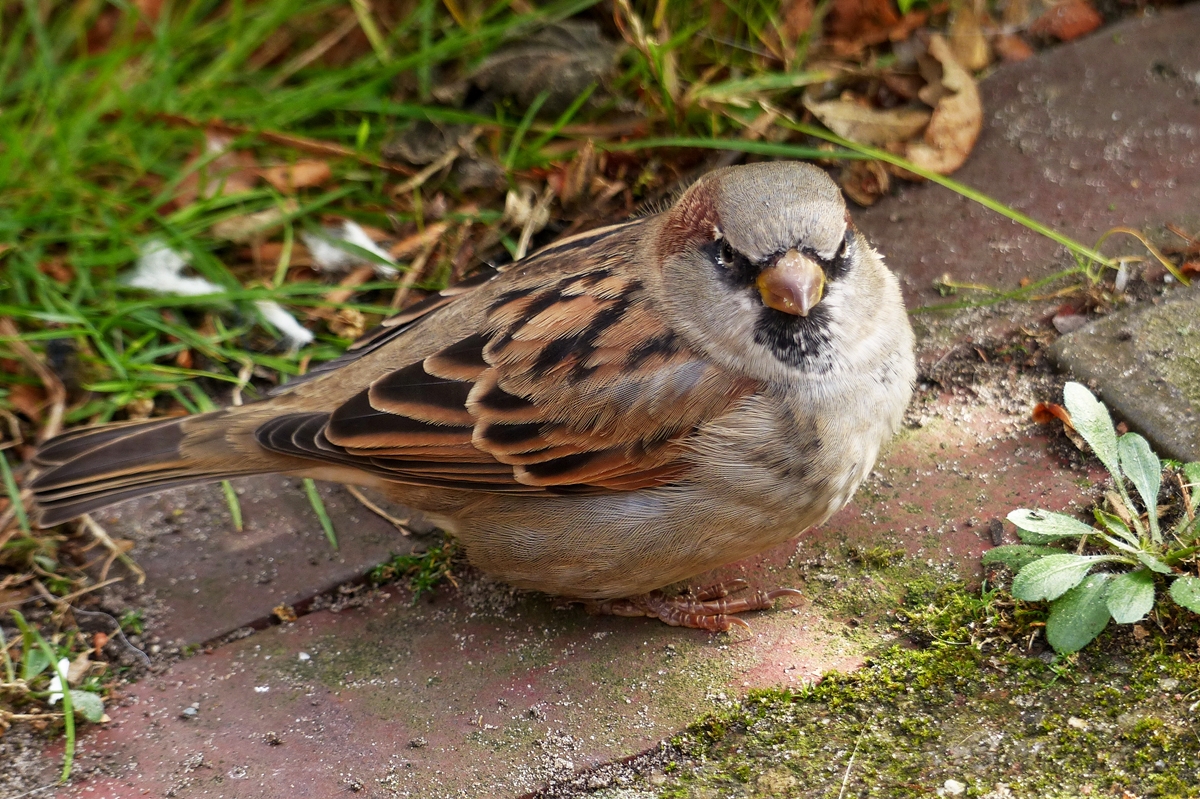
x,y
960,709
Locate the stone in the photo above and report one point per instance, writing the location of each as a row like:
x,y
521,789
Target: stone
x,y
1145,365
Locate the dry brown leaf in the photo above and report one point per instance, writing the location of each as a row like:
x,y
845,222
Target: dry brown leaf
x,y
269,252
246,227
348,323
58,270
28,400
861,20
100,34
571,180
797,18
967,42
79,668
1011,48
1068,20
231,172
1016,13
285,613
874,126
956,120
410,246
902,84
300,175
561,59
852,25
865,181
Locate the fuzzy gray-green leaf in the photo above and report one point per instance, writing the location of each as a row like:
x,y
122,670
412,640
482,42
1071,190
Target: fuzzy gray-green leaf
x,y
1142,467
1079,615
1091,419
1052,576
1017,556
87,704
1131,596
1186,592
1115,526
1042,526
1154,564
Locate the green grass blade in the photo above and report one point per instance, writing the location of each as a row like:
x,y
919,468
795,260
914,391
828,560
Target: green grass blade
x,y
318,506
14,494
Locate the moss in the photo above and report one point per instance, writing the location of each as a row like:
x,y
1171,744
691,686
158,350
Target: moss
x,y
957,700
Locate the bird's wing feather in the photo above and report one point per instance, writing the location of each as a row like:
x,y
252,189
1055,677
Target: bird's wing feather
x,y
573,384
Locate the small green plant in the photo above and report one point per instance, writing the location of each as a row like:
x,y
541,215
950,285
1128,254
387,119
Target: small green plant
x,y
133,621
424,570
1117,565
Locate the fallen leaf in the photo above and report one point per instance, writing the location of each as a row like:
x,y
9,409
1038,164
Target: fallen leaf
x,y
1068,321
244,228
561,60
957,118
572,179
865,182
1047,412
79,668
1068,20
903,85
348,323
28,400
57,270
410,246
300,175
852,25
861,20
797,18
1011,48
1017,13
967,42
269,252
107,22
285,613
230,172
866,125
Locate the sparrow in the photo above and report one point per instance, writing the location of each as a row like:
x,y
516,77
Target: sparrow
x,y
618,412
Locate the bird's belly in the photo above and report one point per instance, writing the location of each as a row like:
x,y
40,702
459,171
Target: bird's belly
x,y
619,545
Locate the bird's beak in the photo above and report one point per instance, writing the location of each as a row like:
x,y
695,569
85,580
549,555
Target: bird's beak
x,y
793,284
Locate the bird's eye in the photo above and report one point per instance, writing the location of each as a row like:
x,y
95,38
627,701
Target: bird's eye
x,y
727,253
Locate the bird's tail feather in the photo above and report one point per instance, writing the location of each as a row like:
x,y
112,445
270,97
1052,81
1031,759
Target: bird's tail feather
x,y
84,470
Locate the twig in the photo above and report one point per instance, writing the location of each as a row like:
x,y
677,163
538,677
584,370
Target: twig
x,y
322,46
76,594
400,524
55,391
542,205
98,532
410,246
243,378
415,269
444,160
14,429
302,143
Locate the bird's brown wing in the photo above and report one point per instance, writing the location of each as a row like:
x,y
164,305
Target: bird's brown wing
x,y
392,327
572,385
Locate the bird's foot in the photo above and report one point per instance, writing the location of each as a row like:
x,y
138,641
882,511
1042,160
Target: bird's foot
x,y
709,608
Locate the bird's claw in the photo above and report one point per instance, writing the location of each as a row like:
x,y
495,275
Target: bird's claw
x,y
709,608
